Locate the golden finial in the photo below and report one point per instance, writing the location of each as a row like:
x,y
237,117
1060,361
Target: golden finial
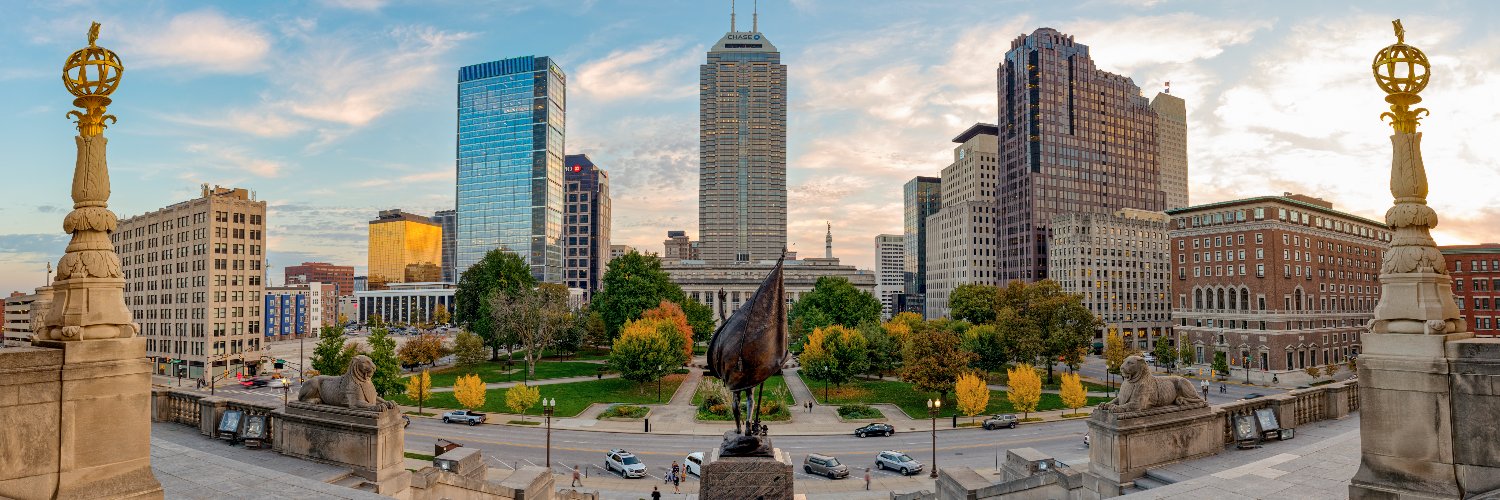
x,y
91,74
1402,72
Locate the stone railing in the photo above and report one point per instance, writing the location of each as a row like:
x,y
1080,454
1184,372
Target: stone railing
x,y
204,411
1298,407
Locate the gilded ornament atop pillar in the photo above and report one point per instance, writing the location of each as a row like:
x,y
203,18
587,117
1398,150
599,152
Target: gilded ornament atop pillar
x,y
1402,71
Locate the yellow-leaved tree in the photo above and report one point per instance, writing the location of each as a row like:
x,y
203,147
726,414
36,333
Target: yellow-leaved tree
x,y
1114,353
469,391
419,387
1073,395
519,398
972,393
1025,388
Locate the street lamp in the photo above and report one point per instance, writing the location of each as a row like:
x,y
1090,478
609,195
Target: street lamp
x,y
933,407
548,406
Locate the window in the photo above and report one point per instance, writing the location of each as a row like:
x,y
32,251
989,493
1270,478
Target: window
x,y
1259,238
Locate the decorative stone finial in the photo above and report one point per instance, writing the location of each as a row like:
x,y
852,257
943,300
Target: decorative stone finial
x,y
1402,71
92,90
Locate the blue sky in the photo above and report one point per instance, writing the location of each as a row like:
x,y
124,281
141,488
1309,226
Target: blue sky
x,y
332,110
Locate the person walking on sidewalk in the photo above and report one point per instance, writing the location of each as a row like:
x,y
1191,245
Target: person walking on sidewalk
x,y
655,494
1223,388
867,479
577,483
1205,389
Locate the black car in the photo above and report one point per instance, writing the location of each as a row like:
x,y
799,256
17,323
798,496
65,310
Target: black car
x,y
875,430
1254,395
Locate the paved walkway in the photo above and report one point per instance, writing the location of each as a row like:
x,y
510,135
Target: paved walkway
x,y
190,465
533,383
689,386
1317,464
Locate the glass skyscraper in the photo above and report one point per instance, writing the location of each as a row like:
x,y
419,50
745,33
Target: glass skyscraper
x,y
922,197
510,163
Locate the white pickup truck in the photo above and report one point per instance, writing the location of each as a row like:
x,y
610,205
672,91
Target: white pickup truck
x,y
464,416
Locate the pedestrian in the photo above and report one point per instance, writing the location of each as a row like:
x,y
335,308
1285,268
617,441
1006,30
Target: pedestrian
x,y
576,481
1204,385
1223,388
676,469
676,483
655,494
867,479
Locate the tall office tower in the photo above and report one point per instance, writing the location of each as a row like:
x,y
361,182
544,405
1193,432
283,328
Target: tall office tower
x,y
890,262
448,220
586,227
742,150
510,163
961,243
678,246
194,276
1171,147
397,241
1072,139
1120,264
322,272
922,197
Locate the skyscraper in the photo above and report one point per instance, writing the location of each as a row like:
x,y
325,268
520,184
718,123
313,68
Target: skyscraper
x,y
960,236
510,163
586,227
399,240
1073,138
448,220
890,250
742,149
922,197
1171,147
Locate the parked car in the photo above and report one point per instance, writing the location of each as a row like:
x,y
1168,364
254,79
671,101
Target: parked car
x,y
897,461
998,421
625,462
824,465
465,416
876,429
1254,395
693,463
1149,358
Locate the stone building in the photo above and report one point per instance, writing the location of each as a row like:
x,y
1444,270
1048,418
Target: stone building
x,y
1476,285
890,256
1171,147
194,276
1119,263
960,237
617,251
678,246
17,330
587,213
702,281
322,272
399,239
1281,282
404,303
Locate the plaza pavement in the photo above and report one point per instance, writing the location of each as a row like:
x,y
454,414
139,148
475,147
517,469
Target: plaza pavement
x,y
192,466
1317,464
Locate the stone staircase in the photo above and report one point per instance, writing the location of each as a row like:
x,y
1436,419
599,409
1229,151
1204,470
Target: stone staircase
x,y
1155,479
353,481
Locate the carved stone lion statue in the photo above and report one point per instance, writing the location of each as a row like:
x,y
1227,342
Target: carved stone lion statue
x,y
1143,391
353,389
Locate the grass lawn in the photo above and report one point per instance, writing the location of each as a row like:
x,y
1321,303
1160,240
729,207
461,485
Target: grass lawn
x,y
1000,378
915,403
771,387
585,353
572,398
491,372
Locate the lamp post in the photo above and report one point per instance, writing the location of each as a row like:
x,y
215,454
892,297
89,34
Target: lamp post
x,y
933,407
548,406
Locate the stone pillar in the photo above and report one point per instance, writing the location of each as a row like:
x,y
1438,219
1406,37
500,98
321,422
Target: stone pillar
x,y
210,410
371,443
1123,445
733,478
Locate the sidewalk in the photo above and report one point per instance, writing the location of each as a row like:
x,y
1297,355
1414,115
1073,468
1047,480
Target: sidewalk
x,y
533,383
1317,464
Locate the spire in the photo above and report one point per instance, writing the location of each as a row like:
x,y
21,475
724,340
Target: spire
x,y
731,16
828,242
755,17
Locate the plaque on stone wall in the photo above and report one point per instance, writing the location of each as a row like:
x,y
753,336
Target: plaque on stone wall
x,y
1267,419
1245,433
229,424
255,431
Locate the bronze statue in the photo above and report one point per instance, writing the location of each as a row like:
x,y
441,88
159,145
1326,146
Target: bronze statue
x,y
747,349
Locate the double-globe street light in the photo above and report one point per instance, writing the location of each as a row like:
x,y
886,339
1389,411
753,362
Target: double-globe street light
x,y
933,407
549,406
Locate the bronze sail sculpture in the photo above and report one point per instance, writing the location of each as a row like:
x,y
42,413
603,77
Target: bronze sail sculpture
x,y
747,349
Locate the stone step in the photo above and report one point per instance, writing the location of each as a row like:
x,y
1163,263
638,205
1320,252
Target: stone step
x,y
1165,477
1146,483
352,481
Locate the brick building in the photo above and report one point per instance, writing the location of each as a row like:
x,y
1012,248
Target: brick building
x,y
1286,282
322,272
1476,284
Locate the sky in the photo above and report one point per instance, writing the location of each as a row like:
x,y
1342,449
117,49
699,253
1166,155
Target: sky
x,y
333,110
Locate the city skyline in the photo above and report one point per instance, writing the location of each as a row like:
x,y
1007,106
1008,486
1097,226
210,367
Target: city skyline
x,y
327,152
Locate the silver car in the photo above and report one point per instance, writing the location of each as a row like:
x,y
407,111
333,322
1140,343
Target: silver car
x,y
625,462
824,465
897,461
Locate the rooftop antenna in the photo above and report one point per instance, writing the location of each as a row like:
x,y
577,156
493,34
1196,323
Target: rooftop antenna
x,y
731,15
755,17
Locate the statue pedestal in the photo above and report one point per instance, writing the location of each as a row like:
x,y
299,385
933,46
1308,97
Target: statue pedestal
x,y
369,442
75,420
1123,445
735,478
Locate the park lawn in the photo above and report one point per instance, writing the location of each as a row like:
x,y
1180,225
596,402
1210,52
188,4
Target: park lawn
x,y
491,372
771,386
587,353
572,398
1000,378
914,403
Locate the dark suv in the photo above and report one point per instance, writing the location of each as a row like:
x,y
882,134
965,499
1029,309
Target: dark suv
x,y
875,430
998,421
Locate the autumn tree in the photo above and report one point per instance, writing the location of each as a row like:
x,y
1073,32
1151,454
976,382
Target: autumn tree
x,y
1073,394
1025,388
1332,369
468,349
387,376
499,270
833,354
440,315
469,391
646,351
520,397
933,360
973,394
672,314
426,348
1114,352
1313,371
419,387
533,317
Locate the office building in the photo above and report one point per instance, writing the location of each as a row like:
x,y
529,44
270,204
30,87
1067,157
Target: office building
x,y
1171,147
890,280
1278,283
322,272
361,283
1120,265
702,281
404,303
18,312
448,220
742,150
194,276
922,197
586,226
510,163
617,251
397,241
299,311
1475,270
960,236
678,246
1073,139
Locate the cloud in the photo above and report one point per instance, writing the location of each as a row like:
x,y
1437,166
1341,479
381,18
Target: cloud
x,y
663,69
440,175
1124,45
49,209
364,5
235,159
334,81
204,41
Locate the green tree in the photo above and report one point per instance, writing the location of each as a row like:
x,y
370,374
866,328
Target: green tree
x,y
700,317
839,302
597,334
532,316
932,360
499,270
1184,352
1221,364
1164,352
1067,326
468,349
646,351
834,354
387,377
570,339
327,356
988,346
974,303
884,352
633,283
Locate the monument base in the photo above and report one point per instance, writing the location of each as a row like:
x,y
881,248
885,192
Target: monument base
x,y
747,478
1123,445
371,443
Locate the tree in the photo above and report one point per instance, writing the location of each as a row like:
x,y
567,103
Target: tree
x,y
533,317
468,349
632,284
1332,369
1184,352
424,349
833,354
1221,364
419,387
1114,352
883,352
1025,388
839,302
519,398
469,391
440,315
1313,371
933,360
645,351
1067,326
1073,394
973,302
570,339
1164,352
672,314
327,355
972,393
988,346
701,317
597,334
387,377
499,270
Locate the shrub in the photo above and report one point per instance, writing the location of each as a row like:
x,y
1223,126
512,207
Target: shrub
x,y
625,411
859,411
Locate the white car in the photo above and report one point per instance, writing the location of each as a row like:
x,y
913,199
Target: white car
x,y
625,462
278,383
694,463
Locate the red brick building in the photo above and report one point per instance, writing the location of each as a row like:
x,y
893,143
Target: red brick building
x,y
1278,283
322,272
1476,284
